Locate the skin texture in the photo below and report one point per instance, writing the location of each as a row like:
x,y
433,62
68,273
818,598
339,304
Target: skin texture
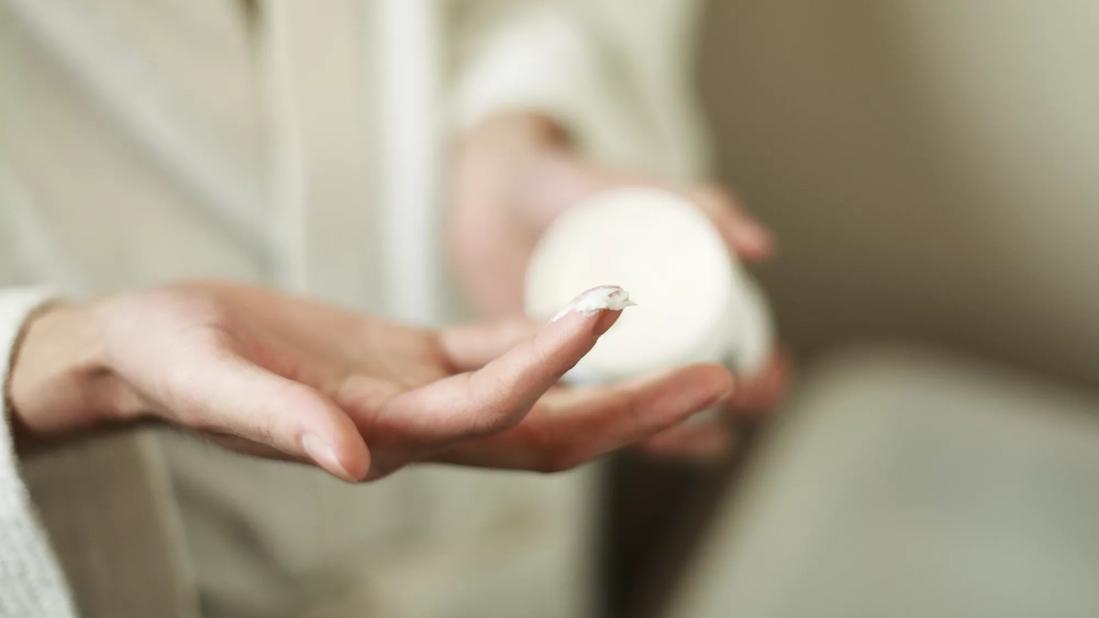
x,y
513,175
279,376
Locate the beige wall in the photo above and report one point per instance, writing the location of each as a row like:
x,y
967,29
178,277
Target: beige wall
x,y
931,167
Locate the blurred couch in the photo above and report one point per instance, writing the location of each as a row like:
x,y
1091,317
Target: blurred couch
x,y
932,172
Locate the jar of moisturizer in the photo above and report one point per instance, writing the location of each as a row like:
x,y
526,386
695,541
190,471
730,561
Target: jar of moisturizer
x,y
695,303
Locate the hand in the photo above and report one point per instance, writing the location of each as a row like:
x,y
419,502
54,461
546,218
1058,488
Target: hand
x,y
513,175
279,376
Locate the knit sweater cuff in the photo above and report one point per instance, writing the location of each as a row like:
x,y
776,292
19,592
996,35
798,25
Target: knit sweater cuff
x,y
30,579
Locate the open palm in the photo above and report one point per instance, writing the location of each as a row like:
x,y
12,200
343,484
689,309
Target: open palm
x,y
281,376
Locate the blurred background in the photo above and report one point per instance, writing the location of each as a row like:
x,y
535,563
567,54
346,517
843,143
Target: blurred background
x,y
929,167
930,170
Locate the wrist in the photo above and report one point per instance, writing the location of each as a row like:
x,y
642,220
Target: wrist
x,y
504,152
525,161
59,380
517,133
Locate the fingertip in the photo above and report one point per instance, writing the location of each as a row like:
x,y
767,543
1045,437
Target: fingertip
x,y
331,439
344,459
764,390
570,323
606,319
576,328
351,453
753,242
596,301
561,343
715,382
355,459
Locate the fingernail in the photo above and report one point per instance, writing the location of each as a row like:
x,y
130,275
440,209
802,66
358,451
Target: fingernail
x,y
597,299
324,455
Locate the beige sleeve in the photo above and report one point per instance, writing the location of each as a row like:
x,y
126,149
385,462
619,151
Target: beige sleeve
x,y
618,76
31,583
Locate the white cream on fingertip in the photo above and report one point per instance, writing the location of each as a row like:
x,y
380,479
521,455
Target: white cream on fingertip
x,y
599,298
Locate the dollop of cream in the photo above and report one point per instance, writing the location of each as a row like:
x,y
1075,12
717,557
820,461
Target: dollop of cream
x,y
599,298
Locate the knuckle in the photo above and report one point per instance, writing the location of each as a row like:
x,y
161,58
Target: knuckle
x,y
496,419
264,429
492,412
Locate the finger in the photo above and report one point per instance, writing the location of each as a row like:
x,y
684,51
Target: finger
x,y
703,441
764,391
713,437
576,425
499,394
746,237
471,346
229,394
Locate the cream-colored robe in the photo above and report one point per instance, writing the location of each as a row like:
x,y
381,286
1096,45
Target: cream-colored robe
x,y
297,144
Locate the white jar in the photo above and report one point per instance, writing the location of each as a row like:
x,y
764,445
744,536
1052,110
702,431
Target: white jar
x,y
694,301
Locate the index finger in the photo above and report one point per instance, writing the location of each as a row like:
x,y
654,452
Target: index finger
x,y
499,394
